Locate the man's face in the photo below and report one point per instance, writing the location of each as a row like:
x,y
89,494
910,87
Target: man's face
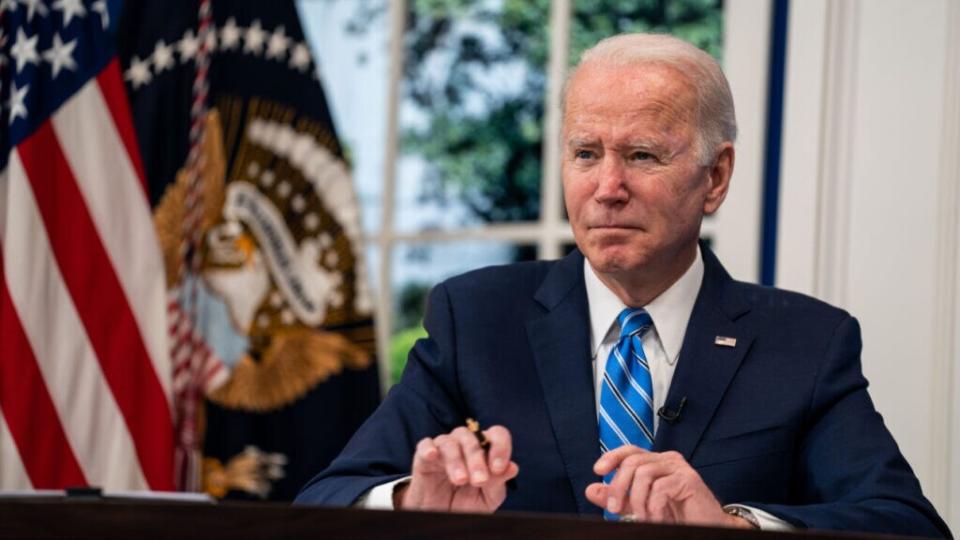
x,y
634,189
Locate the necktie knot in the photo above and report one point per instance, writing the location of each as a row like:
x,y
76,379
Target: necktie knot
x,y
634,322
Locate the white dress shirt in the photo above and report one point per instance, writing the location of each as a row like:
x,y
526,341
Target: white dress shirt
x,y
670,313
661,344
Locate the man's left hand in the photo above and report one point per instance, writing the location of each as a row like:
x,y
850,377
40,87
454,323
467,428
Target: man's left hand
x,y
660,487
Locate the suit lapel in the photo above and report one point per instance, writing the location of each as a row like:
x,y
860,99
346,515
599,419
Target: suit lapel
x,y
705,369
560,341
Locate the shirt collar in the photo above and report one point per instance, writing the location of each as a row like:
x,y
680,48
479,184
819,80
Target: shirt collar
x,y
670,311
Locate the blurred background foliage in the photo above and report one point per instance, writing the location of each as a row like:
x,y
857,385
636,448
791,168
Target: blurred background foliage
x,y
490,156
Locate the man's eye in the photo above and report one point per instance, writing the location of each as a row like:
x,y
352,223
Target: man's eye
x,y
641,156
583,154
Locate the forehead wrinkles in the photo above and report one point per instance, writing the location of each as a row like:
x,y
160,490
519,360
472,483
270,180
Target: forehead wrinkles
x,y
655,117
656,123
640,94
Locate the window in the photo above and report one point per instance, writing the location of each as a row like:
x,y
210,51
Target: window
x,y
452,133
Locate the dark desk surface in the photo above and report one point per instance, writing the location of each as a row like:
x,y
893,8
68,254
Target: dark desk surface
x,y
57,518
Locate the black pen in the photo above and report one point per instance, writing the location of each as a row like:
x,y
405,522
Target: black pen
x,y
484,442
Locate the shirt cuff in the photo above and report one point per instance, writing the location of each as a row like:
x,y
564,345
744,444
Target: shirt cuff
x,y
766,520
379,497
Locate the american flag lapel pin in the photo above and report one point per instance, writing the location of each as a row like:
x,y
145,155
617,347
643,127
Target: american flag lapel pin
x,y
725,341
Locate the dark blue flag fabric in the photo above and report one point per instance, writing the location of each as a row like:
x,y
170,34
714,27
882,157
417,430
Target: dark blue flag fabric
x,y
270,327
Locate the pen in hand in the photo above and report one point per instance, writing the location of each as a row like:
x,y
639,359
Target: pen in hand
x,y
474,428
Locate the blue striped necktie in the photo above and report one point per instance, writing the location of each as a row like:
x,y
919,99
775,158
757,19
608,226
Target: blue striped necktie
x,y
626,395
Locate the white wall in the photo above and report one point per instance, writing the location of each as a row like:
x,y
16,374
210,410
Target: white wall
x,y
736,226
869,205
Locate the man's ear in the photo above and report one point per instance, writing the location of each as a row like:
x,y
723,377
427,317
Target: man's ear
x,y
718,178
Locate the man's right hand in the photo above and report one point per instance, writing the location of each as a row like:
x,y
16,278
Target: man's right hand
x,y
453,473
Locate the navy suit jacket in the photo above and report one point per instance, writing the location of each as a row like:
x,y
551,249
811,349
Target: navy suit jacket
x,y
781,421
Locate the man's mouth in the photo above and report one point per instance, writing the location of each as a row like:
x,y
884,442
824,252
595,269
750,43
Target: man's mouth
x,y
614,227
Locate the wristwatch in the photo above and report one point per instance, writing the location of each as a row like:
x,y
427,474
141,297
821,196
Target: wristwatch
x,y
741,512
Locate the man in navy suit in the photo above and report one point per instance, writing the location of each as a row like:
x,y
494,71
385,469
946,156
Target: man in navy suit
x,y
763,414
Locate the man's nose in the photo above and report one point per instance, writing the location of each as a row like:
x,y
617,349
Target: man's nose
x,y
611,188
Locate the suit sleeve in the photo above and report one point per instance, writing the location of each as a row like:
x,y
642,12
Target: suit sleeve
x,y
850,468
425,403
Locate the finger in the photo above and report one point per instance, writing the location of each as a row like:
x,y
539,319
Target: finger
x,y
612,459
501,448
426,458
453,461
619,485
513,470
597,494
662,493
495,490
646,471
510,473
670,475
655,469
640,491
422,492
474,454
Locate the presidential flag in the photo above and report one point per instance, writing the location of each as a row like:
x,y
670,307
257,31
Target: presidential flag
x,y
85,376
259,225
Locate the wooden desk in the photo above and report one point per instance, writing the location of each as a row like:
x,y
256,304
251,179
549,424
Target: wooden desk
x,y
107,518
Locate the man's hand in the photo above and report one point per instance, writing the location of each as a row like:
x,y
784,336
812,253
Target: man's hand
x,y
452,472
657,487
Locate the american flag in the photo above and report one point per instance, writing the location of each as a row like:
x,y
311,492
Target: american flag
x,y
85,378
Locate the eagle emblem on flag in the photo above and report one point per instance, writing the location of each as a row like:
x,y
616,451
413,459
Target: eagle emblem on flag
x,y
276,264
268,305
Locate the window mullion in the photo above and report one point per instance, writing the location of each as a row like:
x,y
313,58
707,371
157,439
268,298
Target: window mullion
x,y
384,311
551,205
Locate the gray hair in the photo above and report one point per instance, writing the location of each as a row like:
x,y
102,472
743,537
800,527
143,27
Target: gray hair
x,y
717,122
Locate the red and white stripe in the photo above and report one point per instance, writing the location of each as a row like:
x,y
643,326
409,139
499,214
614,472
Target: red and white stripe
x,y
85,372
194,363
11,470
190,354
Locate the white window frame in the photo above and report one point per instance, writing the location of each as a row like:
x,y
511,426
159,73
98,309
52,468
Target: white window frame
x,y
551,232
